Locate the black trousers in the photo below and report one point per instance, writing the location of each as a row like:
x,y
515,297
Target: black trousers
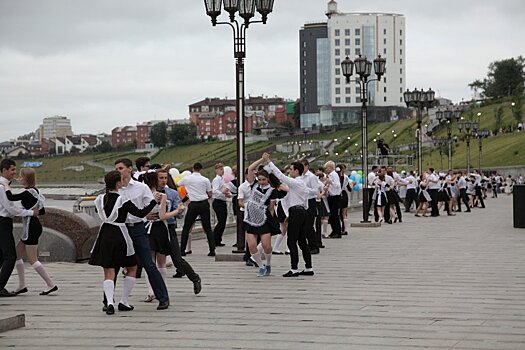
x,y
463,196
178,260
7,250
434,202
221,211
371,203
318,223
334,202
311,214
410,198
297,235
202,209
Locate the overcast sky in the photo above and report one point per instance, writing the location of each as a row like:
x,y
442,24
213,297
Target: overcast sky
x,y
107,63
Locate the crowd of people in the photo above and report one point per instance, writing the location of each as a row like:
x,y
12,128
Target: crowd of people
x,y
138,211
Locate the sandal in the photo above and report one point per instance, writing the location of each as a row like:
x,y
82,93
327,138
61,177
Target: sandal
x,y
149,298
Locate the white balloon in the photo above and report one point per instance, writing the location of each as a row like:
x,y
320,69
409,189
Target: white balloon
x,y
227,170
185,173
353,172
174,172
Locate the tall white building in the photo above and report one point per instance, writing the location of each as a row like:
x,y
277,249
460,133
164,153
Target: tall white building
x,y
53,127
325,96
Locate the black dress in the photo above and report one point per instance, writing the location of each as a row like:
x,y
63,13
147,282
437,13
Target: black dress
x,y
271,225
159,237
28,201
110,249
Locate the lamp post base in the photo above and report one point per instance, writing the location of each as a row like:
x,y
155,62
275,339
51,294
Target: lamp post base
x,y
365,224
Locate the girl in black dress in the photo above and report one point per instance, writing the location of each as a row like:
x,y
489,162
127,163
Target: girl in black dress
x,y
32,229
113,246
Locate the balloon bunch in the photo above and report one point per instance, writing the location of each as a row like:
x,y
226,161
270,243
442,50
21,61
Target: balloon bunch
x,y
357,178
228,174
177,176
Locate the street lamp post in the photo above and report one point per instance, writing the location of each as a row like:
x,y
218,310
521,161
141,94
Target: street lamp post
x,y
246,10
363,69
481,134
419,99
446,117
470,129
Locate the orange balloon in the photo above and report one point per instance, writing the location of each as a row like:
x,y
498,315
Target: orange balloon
x,y
182,191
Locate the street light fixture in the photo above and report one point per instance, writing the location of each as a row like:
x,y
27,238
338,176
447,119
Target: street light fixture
x,y
481,134
419,99
246,10
470,128
363,69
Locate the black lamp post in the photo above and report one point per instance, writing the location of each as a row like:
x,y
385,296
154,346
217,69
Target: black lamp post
x,y
446,117
363,69
481,134
419,99
246,9
470,129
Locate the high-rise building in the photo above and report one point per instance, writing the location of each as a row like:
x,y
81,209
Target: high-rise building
x,y
326,98
56,126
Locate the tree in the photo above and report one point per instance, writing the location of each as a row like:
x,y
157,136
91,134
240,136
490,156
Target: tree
x,y
498,119
104,147
297,113
183,134
503,78
159,134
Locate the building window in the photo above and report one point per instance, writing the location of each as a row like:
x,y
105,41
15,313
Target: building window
x,y
304,63
304,72
400,51
357,41
384,89
304,43
337,52
347,32
358,90
384,31
357,51
336,33
400,80
357,31
401,99
400,70
337,61
384,41
304,53
348,100
358,99
384,98
338,100
337,42
337,71
384,51
347,42
347,91
337,91
384,80
401,32
347,52
337,81
304,91
400,41
400,90
400,61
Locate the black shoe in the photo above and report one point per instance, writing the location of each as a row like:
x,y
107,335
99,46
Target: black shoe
x,y
314,251
182,253
21,291
344,233
46,292
306,273
211,253
197,287
163,305
179,274
235,245
321,246
220,244
104,308
468,211
291,274
334,236
188,252
110,310
277,253
4,293
122,307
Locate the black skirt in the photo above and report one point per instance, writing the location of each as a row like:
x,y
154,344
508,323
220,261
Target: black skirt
x,y
35,231
344,199
110,249
159,241
281,216
384,200
271,226
392,197
443,196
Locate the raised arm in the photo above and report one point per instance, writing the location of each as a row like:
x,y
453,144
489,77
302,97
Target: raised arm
x,y
250,176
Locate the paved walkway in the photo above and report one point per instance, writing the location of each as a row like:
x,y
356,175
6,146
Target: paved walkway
x,y
444,283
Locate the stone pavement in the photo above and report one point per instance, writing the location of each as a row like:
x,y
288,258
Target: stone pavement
x,y
433,283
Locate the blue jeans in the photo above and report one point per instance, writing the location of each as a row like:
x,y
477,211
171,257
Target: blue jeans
x,y
142,250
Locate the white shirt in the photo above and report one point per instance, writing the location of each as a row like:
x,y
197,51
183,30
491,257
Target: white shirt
x,y
139,194
217,185
244,192
335,184
312,184
371,177
7,209
431,184
462,183
412,182
478,179
197,186
298,193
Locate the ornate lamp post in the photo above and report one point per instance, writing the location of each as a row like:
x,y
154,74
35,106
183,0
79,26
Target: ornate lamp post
x,y
446,117
470,129
419,99
246,10
363,69
481,134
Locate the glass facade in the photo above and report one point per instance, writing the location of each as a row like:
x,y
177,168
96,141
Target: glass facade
x,y
368,50
323,72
